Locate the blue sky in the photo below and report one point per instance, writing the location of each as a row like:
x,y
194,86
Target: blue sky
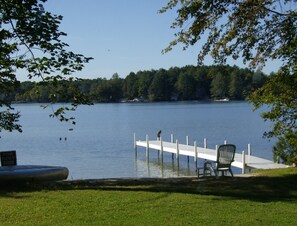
x,y
124,36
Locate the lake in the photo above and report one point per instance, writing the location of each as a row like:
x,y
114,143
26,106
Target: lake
x,y
101,144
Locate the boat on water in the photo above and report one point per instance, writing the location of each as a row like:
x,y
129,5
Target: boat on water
x,y
223,100
33,173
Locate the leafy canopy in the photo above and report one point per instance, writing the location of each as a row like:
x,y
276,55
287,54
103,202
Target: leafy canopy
x,y
255,31
31,43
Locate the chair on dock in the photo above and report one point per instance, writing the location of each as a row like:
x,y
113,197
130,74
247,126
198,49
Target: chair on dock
x,y
225,156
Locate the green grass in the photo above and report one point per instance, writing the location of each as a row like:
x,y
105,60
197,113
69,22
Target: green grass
x,y
270,198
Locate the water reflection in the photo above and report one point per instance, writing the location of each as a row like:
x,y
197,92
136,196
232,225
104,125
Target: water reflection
x,y
164,167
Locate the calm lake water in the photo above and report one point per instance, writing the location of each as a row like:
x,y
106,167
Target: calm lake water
x,y
101,144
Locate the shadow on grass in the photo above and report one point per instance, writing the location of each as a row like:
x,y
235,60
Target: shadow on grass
x,y
256,188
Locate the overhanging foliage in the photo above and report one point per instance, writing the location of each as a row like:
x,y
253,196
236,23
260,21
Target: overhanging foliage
x,y
254,31
30,40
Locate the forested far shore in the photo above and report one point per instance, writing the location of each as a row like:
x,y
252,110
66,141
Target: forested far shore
x,y
174,84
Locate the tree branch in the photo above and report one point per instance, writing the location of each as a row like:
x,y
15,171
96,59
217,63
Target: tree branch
x,y
28,48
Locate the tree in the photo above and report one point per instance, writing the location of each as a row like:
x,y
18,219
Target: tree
x,y
160,89
186,86
30,43
285,151
255,31
116,84
279,92
203,82
236,86
219,86
220,82
145,79
131,86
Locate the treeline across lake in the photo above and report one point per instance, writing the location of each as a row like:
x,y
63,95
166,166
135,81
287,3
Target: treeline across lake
x,y
185,83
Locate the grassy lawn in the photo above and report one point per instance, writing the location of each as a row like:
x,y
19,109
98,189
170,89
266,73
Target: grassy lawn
x,y
270,198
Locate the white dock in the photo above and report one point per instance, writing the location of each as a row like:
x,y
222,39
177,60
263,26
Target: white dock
x,y
241,160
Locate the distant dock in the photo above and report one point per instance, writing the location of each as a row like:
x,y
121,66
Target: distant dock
x,y
243,160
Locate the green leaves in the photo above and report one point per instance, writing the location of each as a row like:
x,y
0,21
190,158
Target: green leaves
x,y
280,94
253,30
256,31
30,39
9,121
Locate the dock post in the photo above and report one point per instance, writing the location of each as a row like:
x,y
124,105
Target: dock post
x,y
205,143
177,156
135,146
249,150
187,143
243,162
147,146
172,141
177,150
161,144
249,154
159,150
196,156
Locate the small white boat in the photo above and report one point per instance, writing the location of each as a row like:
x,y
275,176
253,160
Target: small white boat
x,y
223,100
33,173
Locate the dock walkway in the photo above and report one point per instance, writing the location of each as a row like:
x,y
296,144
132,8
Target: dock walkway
x,y
241,160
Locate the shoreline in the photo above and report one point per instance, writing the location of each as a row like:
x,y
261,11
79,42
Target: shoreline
x,y
150,180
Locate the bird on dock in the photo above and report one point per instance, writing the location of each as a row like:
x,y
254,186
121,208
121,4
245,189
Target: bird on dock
x,y
159,134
